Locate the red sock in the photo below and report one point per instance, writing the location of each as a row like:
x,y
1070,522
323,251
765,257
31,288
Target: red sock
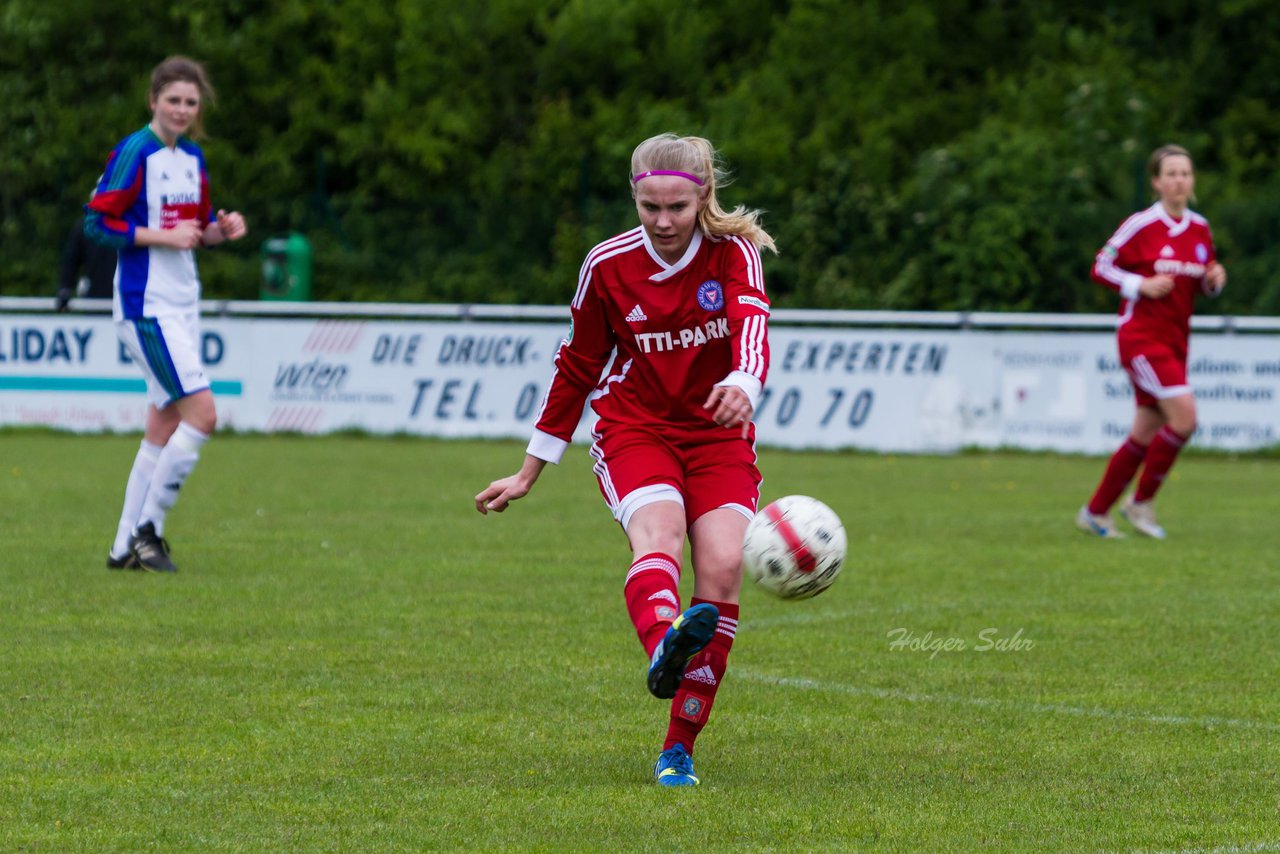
x,y
1120,470
692,704
1160,456
652,589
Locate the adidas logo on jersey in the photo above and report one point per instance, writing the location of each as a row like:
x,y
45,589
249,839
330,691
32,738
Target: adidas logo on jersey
x,y
1166,252
636,316
703,674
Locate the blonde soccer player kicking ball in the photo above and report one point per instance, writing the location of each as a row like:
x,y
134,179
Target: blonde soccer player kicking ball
x,y
678,304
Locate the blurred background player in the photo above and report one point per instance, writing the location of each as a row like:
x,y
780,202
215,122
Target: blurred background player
x,y
1158,260
152,206
679,302
87,268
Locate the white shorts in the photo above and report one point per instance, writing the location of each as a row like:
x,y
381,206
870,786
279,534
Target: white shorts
x,y
167,349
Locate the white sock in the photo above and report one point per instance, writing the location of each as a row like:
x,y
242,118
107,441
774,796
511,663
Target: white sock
x,y
135,492
179,457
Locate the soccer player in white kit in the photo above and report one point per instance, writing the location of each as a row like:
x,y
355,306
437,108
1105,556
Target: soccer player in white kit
x,y
676,309
1159,260
152,205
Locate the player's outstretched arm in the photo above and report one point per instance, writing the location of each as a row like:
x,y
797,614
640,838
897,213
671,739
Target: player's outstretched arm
x,y
497,495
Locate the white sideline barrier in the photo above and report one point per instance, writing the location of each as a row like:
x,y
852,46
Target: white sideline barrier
x,y
886,381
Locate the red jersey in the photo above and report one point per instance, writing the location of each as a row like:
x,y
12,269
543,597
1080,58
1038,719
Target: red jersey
x,y
1149,243
674,331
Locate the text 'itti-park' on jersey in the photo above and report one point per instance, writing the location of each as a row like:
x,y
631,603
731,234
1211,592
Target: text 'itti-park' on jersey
x,y
678,330
149,185
1150,243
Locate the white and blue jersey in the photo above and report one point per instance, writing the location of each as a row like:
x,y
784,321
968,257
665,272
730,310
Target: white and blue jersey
x,y
149,185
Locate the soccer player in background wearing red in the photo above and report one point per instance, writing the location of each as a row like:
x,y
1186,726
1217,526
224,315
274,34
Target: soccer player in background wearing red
x,y
1158,260
679,304
152,205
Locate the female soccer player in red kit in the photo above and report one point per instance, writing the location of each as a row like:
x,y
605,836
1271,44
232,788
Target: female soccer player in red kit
x,y
1158,259
679,304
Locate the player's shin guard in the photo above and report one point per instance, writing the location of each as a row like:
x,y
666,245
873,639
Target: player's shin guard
x,y
1160,456
1121,468
179,457
652,589
692,704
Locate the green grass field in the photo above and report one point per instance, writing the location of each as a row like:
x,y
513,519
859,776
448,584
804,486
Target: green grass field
x,y
352,659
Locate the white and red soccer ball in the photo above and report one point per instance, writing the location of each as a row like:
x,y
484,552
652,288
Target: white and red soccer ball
x,y
794,547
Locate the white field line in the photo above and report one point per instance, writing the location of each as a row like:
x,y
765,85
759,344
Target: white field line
x,y
1223,849
1009,705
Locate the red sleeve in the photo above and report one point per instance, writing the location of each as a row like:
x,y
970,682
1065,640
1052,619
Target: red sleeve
x,y
117,190
577,365
747,307
206,208
1114,265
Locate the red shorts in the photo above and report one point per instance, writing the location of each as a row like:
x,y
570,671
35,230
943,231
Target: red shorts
x,y
1157,373
704,469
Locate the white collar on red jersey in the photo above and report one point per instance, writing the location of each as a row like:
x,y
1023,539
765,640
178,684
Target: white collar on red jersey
x,y
1176,227
669,270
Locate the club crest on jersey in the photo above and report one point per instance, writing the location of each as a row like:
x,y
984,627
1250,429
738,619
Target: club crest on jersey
x,y
1202,253
711,295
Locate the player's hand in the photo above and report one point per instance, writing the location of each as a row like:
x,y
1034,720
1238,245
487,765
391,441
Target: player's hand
x,y
497,495
730,407
232,225
1215,278
63,300
1156,286
185,234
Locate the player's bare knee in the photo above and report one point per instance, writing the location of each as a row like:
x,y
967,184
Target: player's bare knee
x,y
719,577
200,412
1183,423
720,588
647,539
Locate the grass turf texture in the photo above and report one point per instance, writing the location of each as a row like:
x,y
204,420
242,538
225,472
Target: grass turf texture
x,y
352,659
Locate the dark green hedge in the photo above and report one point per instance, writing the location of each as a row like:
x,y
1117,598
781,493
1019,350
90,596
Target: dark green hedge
x,y
910,155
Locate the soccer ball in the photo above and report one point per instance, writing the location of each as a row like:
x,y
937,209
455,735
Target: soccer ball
x,y
794,547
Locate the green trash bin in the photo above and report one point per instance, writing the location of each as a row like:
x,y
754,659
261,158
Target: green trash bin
x,y
286,268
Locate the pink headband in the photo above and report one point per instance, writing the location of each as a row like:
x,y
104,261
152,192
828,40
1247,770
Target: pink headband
x,y
694,178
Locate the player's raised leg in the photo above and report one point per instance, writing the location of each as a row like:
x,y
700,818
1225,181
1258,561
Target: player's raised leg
x,y
654,518
717,555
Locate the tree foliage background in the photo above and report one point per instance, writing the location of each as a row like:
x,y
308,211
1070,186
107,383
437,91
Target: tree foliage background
x,y
909,155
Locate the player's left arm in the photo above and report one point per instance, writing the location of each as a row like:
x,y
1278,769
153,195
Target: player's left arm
x,y
226,225
734,399
1215,275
